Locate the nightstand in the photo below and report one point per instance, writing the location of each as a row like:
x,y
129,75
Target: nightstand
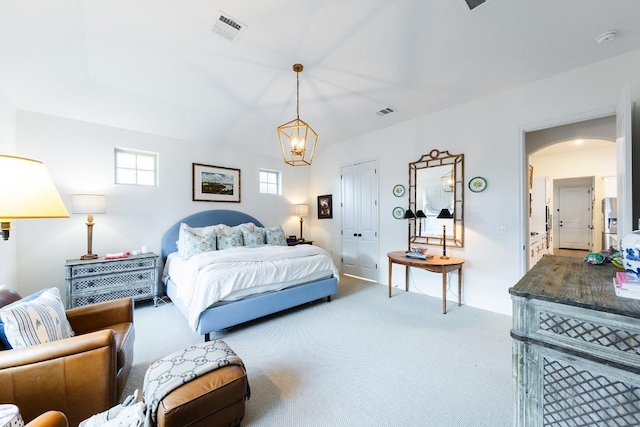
x,y
300,242
98,280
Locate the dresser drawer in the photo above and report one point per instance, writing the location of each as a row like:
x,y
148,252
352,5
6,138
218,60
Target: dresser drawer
x,y
137,292
111,267
98,283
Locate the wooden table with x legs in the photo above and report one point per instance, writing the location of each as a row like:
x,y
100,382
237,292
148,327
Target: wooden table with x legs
x,y
436,264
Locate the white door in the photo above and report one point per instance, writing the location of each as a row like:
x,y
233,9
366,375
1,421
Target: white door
x,y
623,158
360,220
574,217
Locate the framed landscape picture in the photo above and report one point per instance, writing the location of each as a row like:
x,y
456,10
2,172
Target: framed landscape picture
x,y
215,184
325,210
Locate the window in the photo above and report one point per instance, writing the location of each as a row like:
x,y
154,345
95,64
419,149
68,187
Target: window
x,y
269,182
136,167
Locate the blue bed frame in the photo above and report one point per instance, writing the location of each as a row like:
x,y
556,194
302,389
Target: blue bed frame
x,y
224,316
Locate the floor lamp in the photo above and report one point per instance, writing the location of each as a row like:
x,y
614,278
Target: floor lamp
x,y
408,214
27,192
444,214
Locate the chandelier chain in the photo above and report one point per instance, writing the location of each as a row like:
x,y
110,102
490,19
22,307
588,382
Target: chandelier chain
x,y
298,95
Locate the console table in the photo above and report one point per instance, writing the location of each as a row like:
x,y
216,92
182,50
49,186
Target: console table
x,y
576,347
436,264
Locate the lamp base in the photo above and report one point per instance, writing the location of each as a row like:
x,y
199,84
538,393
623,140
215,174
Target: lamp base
x,y
444,257
89,256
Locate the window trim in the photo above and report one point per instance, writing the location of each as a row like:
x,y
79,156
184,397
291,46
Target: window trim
x,y
156,166
278,175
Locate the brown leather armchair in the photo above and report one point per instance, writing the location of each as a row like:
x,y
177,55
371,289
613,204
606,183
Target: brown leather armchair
x,y
80,376
50,419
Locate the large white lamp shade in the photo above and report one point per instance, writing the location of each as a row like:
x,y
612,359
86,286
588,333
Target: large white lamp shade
x,y
27,191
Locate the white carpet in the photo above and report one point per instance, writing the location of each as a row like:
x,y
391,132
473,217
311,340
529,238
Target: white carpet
x,y
361,360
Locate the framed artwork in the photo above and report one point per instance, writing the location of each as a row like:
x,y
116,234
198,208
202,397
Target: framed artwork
x,y
530,177
215,184
325,208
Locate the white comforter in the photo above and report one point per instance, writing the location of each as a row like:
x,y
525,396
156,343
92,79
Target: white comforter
x,y
231,274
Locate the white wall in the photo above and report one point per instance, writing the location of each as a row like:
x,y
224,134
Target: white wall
x,y
488,131
79,157
8,249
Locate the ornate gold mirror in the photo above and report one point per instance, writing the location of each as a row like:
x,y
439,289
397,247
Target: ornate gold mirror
x,y
436,182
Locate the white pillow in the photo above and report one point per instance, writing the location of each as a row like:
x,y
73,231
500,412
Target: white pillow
x,y
226,230
36,321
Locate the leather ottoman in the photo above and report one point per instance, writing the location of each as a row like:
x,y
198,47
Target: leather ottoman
x,y
216,398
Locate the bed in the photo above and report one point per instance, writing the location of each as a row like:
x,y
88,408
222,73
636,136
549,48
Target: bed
x,y
272,297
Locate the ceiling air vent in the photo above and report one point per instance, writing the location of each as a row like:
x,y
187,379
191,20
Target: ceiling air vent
x,y
385,111
472,4
228,27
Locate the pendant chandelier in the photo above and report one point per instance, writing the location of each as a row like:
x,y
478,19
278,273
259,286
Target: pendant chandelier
x,y
297,139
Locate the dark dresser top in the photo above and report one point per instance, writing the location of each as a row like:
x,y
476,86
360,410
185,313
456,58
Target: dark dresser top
x,y
572,281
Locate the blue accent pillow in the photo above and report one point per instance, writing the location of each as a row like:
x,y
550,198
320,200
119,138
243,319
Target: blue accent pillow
x,y
226,241
275,236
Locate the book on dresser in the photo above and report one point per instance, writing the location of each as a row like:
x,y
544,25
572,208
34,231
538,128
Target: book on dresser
x,y
418,255
627,284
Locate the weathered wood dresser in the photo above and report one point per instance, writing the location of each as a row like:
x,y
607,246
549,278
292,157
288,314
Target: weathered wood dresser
x,y
93,281
576,345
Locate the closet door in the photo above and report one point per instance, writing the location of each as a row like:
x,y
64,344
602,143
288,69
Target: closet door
x,y
360,220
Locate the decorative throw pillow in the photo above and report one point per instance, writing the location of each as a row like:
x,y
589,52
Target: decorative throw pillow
x,y
275,236
253,238
227,230
200,231
226,241
193,244
38,320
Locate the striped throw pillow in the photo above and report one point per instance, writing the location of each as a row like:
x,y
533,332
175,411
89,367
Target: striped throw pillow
x,y
36,321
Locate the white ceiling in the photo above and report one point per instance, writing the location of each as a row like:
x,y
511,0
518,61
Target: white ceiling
x,y
156,66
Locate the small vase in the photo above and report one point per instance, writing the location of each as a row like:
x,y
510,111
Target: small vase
x,y
630,251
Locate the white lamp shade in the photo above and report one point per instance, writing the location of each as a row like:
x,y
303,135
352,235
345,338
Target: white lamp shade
x,y
88,203
302,210
27,190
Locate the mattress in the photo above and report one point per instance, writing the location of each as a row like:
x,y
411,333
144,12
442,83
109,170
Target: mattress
x,y
232,274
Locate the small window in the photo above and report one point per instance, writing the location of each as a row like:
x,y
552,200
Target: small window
x,y
269,182
136,167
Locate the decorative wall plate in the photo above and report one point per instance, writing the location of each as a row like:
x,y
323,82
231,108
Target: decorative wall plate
x,y
398,190
477,184
398,212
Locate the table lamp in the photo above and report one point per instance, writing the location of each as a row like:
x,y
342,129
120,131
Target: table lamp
x,y
302,210
408,214
420,214
444,214
27,192
89,204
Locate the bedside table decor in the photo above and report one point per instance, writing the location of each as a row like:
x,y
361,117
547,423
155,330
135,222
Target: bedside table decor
x,y
89,204
93,281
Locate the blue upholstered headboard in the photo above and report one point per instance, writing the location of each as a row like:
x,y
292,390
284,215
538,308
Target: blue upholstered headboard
x,y
202,219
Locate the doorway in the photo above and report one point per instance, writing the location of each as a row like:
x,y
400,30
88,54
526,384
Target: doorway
x,y
360,219
574,214
576,159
